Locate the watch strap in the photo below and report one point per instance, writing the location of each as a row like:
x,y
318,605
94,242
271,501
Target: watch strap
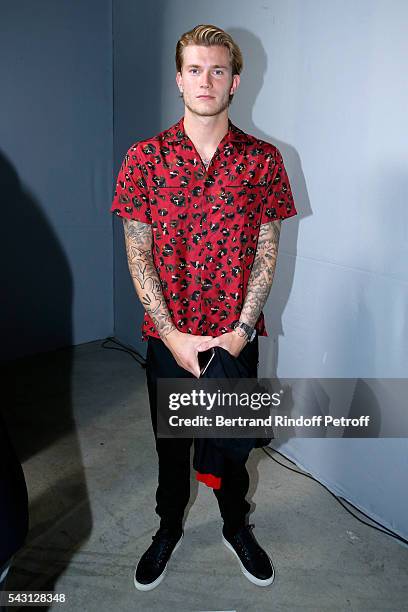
x,y
249,331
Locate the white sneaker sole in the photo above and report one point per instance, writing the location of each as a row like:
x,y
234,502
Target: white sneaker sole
x,y
155,583
247,575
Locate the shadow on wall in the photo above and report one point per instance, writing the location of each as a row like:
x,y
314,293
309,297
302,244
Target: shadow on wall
x,y
37,305
242,107
37,279
352,397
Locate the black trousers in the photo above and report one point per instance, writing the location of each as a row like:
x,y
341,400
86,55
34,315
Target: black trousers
x,y
173,490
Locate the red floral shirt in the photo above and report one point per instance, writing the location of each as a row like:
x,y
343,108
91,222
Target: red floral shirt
x,y
205,223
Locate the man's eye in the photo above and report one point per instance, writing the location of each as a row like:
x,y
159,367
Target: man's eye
x,y
193,70
219,72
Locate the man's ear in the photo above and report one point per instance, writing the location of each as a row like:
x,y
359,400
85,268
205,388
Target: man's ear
x,y
236,79
179,79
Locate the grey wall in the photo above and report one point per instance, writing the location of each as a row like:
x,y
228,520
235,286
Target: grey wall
x,y
137,53
323,81
56,173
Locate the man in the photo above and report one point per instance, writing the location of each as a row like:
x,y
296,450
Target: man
x,y
202,204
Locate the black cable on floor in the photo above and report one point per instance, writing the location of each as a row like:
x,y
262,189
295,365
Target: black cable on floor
x,y
337,498
126,349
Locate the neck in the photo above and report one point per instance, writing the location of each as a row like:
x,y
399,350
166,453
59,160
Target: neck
x,y
205,131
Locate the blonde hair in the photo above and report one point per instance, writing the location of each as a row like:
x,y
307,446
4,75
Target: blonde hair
x,y
207,36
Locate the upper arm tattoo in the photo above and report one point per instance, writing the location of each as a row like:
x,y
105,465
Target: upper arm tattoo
x,y
138,239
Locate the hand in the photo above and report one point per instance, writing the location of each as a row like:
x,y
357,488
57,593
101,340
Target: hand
x,y
233,342
184,349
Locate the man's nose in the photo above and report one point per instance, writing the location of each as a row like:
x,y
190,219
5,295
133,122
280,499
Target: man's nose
x,y
205,80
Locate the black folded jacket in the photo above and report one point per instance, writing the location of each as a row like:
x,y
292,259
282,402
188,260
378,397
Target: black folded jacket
x,y
210,453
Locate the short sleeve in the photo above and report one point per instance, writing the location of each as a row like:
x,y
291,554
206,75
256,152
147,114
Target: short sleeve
x,y
131,197
278,201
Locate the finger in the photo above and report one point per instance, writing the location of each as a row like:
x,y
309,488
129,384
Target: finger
x,y
198,338
191,369
204,346
196,369
204,342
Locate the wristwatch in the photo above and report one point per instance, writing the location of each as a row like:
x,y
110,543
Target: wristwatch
x,y
250,331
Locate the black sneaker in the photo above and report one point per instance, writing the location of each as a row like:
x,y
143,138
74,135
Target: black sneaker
x,y
152,566
255,564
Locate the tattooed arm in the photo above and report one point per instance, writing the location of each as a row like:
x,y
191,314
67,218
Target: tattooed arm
x,y
262,273
139,242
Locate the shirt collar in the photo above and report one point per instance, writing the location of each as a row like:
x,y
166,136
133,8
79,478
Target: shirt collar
x,y
176,133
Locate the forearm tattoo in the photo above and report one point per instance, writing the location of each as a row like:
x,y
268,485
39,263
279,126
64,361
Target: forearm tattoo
x,y
138,240
262,273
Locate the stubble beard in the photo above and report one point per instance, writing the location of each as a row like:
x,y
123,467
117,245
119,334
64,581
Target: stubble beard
x,y
217,110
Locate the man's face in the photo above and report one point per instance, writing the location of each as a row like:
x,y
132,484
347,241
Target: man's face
x,y
206,79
